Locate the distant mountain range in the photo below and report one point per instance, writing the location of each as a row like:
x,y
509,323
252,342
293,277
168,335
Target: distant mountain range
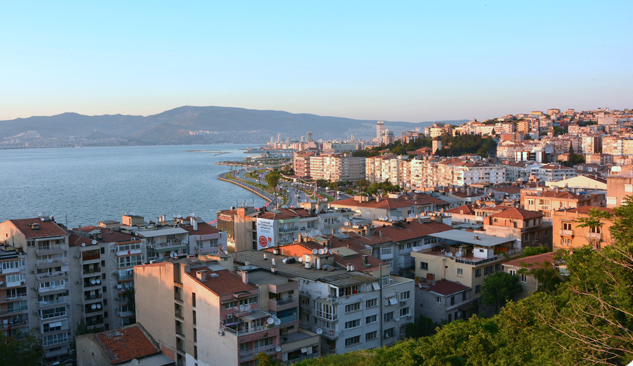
x,y
195,125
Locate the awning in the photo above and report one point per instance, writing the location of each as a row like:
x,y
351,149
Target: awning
x,y
393,301
376,286
53,325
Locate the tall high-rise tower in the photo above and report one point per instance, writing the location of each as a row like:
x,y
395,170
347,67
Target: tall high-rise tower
x,y
380,129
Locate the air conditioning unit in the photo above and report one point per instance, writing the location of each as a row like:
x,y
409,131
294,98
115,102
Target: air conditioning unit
x,y
34,288
78,282
33,272
76,256
113,250
229,316
36,313
220,332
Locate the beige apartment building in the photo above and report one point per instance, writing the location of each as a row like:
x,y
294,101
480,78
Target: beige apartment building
x,y
619,187
547,202
464,257
568,235
526,227
337,167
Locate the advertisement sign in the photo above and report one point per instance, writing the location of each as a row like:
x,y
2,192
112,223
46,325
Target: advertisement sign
x,y
266,234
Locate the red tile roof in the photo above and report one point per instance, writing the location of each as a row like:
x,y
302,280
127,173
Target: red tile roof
x,y
515,213
109,235
203,229
585,209
462,210
446,287
128,343
225,283
532,261
392,203
46,228
412,230
76,241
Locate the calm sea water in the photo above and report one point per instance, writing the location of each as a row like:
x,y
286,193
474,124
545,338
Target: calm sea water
x,y
87,185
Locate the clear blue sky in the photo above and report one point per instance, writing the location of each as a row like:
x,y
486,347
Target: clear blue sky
x,y
407,61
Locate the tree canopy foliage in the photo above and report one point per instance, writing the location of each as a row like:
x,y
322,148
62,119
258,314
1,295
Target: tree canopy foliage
x,y
585,320
466,144
24,350
499,288
272,178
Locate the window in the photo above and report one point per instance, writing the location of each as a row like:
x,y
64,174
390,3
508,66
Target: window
x,y
438,299
129,261
464,296
460,271
371,335
488,270
352,341
193,299
352,307
478,272
386,250
628,188
405,295
404,312
523,277
371,303
388,316
371,319
450,318
477,289
452,300
352,324
424,265
390,333
567,226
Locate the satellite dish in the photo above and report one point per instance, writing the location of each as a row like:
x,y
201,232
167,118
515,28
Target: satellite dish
x,y
277,349
270,321
321,251
277,321
397,319
331,251
314,251
241,307
93,281
93,306
83,244
319,331
247,307
98,306
94,242
98,281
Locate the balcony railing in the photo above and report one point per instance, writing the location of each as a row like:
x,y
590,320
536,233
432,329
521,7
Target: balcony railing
x,y
287,319
288,229
43,276
53,342
324,315
54,288
59,300
92,270
167,244
242,330
254,352
15,310
13,325
594,236
49,248
285,301
52,261
566,232
12,298
93,297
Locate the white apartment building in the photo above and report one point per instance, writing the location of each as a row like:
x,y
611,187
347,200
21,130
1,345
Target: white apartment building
x,y
337,167
554,173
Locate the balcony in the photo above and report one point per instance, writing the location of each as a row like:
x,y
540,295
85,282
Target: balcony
x,y
167,245
285,230
326,316
594,236
330,333
288,319
14,325
59,300
88,298
52,342
566,233
13,298
46,276
91,271
244,355
54,261
280,305
124,314
42,290
50,249
15,310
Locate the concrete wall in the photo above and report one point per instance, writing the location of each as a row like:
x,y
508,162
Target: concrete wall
x,y
89,352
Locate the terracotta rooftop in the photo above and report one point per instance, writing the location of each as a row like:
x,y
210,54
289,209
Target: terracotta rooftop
x,y
128,343
109,235
203,229
225,283
392,203
515,213
462,210
76,241
585,209
446,287
531,261
412,230
46,228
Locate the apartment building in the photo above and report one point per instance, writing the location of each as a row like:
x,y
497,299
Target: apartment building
x,y
43,267
554,173
442,301
438,130
617,145
215,315
619,187
350,309
526,227
547,202
301,163
337,167
14,307
569,236
393,205
529,283
591,144
463,257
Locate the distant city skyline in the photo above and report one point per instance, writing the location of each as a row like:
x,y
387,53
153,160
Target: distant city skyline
x,y
410,61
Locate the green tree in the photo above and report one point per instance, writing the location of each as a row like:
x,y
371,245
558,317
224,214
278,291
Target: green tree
x,y
263,359
530,251
272,179
422,327
499,288
23,349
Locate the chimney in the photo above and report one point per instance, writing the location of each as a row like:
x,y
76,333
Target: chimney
x,y
245,276
380,233
202,275
366,260
300,238
194,223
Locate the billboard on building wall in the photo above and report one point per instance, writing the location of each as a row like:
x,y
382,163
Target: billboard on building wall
x,y
266,234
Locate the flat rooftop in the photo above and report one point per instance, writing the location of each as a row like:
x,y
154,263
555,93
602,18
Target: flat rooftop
x,y
468,237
